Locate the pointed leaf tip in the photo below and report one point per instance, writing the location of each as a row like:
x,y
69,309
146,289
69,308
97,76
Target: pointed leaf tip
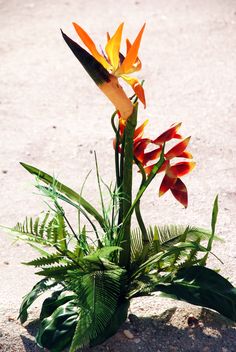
x,y
96,71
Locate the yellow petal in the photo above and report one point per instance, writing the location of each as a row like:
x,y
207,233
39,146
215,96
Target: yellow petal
x,y
113,47
91,46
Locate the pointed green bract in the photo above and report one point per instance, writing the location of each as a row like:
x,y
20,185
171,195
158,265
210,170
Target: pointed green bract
x,y
95,70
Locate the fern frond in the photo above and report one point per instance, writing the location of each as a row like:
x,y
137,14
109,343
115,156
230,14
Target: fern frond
x,y
57,272
44,261
98,292
46,231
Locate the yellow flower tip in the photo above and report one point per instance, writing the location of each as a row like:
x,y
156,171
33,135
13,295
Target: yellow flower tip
x,y
113,48
192,165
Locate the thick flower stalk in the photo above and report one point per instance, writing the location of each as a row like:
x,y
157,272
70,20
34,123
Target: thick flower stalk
x,y
106,67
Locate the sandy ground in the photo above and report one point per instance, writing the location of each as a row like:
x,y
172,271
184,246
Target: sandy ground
x,y
52,116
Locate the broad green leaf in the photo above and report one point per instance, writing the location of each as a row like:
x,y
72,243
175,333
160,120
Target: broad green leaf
x,y
43,176
36,291
58,298
204,287
56,330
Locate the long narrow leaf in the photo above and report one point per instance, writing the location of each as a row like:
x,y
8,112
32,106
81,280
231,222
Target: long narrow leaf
x,y
43,176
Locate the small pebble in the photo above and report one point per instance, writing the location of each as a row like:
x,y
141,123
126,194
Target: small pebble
x,y
6,262
4,171
54,127
173,349
206,349
224,349
10,318
137,340
192,321
190,332
155,323
128,334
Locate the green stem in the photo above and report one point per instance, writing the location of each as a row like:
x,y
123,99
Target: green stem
x,y
120,189
137,207
143,188
116,149
127,187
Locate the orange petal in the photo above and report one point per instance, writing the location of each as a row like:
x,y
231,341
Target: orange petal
x,y
113,47
186,155
177,149
91,46
139,148
166,184
138,89
152,155
167,135
138,133
132,54
148,169
177,136
137,65
179,191
181,169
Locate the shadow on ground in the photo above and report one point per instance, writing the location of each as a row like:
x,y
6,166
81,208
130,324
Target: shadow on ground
x,y
159,333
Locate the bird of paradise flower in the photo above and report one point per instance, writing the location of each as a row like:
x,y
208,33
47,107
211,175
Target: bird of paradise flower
x,y
105,68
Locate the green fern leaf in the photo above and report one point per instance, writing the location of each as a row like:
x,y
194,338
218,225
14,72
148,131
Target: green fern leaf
x,y
48,260
98,293
57,272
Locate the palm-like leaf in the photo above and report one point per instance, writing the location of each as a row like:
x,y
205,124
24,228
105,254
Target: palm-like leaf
x,y
50,259
99,287
163,238
46,232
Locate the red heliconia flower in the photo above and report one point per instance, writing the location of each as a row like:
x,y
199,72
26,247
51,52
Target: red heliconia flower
x,y
171,180
173,172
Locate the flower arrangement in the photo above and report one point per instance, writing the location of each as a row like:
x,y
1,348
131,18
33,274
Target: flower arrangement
x,y
91,282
